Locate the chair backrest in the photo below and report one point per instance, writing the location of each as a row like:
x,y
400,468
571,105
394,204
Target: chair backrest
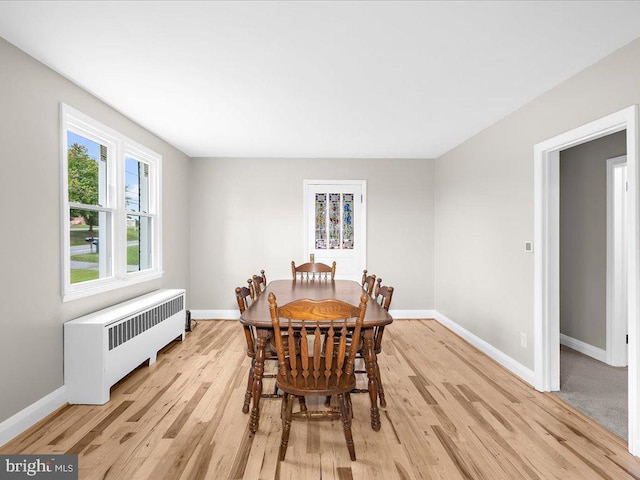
x,y
377,289
244,297
383,295
312,271
259,283
252,290
330,323
368,282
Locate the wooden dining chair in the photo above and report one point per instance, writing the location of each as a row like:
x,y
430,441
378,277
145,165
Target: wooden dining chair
x,y
259,283
313,271
368,282
383,295
328,368
245,298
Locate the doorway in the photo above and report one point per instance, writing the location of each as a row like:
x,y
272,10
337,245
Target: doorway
x,y
546,255
592,286
335,225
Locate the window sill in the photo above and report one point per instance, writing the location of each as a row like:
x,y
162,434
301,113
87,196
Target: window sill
x,y
96,287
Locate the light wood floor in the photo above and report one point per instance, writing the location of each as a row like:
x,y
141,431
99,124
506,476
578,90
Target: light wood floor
x,y
452,413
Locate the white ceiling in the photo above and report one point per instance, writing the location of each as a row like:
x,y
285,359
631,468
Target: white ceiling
x,y
318,79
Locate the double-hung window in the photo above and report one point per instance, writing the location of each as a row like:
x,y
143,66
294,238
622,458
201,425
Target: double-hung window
x,y
111,208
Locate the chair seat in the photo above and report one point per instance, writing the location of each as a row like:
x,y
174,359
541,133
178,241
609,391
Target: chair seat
x,y
322,386
270,348
361,352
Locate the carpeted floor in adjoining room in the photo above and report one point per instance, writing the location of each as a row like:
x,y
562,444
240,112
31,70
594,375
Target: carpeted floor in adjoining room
x,y
596,389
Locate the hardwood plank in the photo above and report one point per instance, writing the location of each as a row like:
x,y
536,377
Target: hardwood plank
x,y
177,425
147,406
99,428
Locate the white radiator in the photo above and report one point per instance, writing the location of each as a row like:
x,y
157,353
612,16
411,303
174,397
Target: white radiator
x,y
104,346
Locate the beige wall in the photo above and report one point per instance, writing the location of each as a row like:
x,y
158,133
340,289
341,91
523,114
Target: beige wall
x,y
247,215
484,203
583,237
31,310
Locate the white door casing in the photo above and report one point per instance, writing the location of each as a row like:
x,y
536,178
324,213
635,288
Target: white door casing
x,y
546,295
616,317
349,261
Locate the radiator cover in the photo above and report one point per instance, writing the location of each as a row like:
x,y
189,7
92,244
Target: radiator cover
x,y
103,347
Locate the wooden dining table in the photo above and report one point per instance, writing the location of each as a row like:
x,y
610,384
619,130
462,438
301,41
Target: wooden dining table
x,y
285,291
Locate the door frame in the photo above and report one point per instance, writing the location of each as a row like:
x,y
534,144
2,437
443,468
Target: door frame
x,y
363,207
616,324
546,295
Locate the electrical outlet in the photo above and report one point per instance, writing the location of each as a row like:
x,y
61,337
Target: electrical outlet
x,y
528,247
523,340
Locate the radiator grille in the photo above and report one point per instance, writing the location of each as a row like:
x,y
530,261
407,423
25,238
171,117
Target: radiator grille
x,y
125,330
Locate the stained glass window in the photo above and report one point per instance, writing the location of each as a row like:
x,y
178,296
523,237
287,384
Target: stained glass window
x,y
347,220
321,224
334,221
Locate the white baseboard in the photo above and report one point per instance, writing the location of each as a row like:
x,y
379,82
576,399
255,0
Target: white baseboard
x,y
215,314
18,423
502,358
582,347
406,314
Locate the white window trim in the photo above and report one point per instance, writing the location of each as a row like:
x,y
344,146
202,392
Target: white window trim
x,y
118,146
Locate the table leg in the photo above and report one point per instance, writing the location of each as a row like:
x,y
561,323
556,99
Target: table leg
x,y
370,363
248,393
258,371
383,400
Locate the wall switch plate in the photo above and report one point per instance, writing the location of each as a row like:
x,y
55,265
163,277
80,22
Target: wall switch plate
x,y
528,247
523,340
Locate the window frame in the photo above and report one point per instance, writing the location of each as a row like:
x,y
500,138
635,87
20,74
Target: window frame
x,y
118,148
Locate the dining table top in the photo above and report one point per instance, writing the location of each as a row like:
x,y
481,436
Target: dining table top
x,y
286,291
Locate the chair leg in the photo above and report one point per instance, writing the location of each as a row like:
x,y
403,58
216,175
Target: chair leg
x,y
283,407
383,401
303,403
346,423
247,395
286,424
347,397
